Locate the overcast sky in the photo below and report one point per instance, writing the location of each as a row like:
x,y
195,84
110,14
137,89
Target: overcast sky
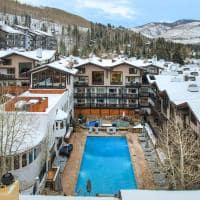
x,y
127,13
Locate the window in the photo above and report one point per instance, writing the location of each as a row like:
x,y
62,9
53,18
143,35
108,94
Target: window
x,y
116,78
98,78
152,77
133,71
180,72
61,125
30,155
132,101
49,78
132,91
194,73
82,70
100,101
16,162
11,71
68,79
24,160
56,125
113,101
100,90
24,68
7,62
113,90
35,156
132,79
9,163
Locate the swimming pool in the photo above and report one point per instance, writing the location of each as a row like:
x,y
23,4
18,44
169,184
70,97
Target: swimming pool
x,y
106,163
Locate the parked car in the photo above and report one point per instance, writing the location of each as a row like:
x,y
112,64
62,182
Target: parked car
x,y
66,150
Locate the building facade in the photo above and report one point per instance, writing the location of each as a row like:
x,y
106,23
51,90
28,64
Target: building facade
x,y
44,114
110,87
16,65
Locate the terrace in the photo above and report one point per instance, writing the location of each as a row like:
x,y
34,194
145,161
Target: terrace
x,y
28,104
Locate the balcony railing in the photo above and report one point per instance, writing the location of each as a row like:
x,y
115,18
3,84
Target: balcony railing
x,y
133,84
130,96
7,76
81,83
144,94
104,105
116,83
105,95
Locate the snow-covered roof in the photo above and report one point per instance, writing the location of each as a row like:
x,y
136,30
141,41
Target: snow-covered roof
x,y
61,115
34,55
106,63
9,29
43,33
177,90
22,27
63,65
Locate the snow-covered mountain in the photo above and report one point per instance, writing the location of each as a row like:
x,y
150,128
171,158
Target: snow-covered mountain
x,y
182,31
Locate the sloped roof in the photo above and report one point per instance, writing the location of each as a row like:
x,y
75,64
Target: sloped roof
x,y
45,54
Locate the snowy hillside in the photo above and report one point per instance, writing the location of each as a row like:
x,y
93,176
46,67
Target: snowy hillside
x,y
182,31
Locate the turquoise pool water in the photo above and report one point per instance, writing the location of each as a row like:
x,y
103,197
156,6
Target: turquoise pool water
x,y
106,163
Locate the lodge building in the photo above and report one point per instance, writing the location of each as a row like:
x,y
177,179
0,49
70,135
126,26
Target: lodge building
x,y
110,87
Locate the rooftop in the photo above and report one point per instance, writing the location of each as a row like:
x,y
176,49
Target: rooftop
x,y
178,90
38,55
109,63
9,29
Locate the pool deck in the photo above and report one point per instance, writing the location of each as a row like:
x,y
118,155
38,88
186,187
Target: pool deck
x,y
78,139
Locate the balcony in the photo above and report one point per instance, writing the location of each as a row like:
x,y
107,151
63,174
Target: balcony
x,y
114,95
144,94
116,83
82,95
130,96
98,105
81,83
133,84
7,76
98,95
82,105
